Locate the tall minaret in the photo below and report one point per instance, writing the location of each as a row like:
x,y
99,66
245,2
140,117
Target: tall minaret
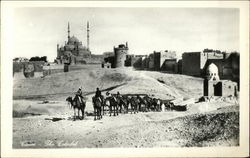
x,y
68,31
88,35
57,51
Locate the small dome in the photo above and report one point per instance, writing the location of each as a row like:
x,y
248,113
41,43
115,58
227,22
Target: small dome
x,y
212,68
73,39
212,72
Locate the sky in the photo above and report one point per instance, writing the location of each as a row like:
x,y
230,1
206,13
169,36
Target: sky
x,y
37,31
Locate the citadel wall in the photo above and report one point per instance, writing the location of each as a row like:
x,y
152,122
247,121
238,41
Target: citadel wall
x,y
191,63
169,65
195,63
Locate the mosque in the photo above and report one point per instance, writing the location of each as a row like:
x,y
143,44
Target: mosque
x,y
73,51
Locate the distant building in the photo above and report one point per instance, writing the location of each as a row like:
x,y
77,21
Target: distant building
x,y
170,65
28,69
195,63
179,67
134,60
111,60
117,58
73,51
20,59
120,55
168,61
213,86
228,67
106,65
156,61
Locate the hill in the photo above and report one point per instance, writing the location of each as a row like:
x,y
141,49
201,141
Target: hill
x,y
124,80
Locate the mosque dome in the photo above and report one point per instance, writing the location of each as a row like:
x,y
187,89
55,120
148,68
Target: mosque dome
x,y
69,47
73,39
212,72
212,68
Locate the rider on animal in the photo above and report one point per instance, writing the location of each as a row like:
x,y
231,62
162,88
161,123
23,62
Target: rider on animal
x,y
98,94
79,95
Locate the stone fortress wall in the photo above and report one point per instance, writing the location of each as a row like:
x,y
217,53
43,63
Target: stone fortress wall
x,y
192,63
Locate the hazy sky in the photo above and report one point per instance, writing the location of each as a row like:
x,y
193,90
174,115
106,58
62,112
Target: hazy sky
x,y
38,30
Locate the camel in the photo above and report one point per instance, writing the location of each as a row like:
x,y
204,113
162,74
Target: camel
x,y
111,101
124,101
134,102
97,105
76,104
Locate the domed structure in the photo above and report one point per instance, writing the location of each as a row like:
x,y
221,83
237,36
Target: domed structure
x,y
213,86
73,51
73,40
212,72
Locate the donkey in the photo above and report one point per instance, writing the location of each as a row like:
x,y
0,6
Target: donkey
x,y
77,104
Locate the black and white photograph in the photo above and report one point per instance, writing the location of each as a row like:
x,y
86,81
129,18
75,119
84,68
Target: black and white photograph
x,y
98,76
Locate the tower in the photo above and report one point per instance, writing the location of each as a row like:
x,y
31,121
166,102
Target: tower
x,y
88,35
68,31
120,55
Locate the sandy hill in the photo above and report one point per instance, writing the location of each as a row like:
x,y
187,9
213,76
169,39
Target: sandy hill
x,y
124,80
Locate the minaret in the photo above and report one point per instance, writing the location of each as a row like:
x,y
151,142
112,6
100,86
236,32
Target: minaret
x,y
57,51
88,35
68,31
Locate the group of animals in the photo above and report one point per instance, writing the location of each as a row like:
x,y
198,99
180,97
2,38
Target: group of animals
x,y
117,103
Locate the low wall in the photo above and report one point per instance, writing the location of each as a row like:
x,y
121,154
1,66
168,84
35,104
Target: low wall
x,y
52,69
19,66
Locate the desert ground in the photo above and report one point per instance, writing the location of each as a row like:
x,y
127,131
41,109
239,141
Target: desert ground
x,y
43,119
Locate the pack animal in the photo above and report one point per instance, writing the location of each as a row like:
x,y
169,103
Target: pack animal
x,y
112,103
77,104
134,102
97,105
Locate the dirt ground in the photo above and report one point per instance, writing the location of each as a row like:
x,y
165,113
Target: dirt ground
x,y
48,125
